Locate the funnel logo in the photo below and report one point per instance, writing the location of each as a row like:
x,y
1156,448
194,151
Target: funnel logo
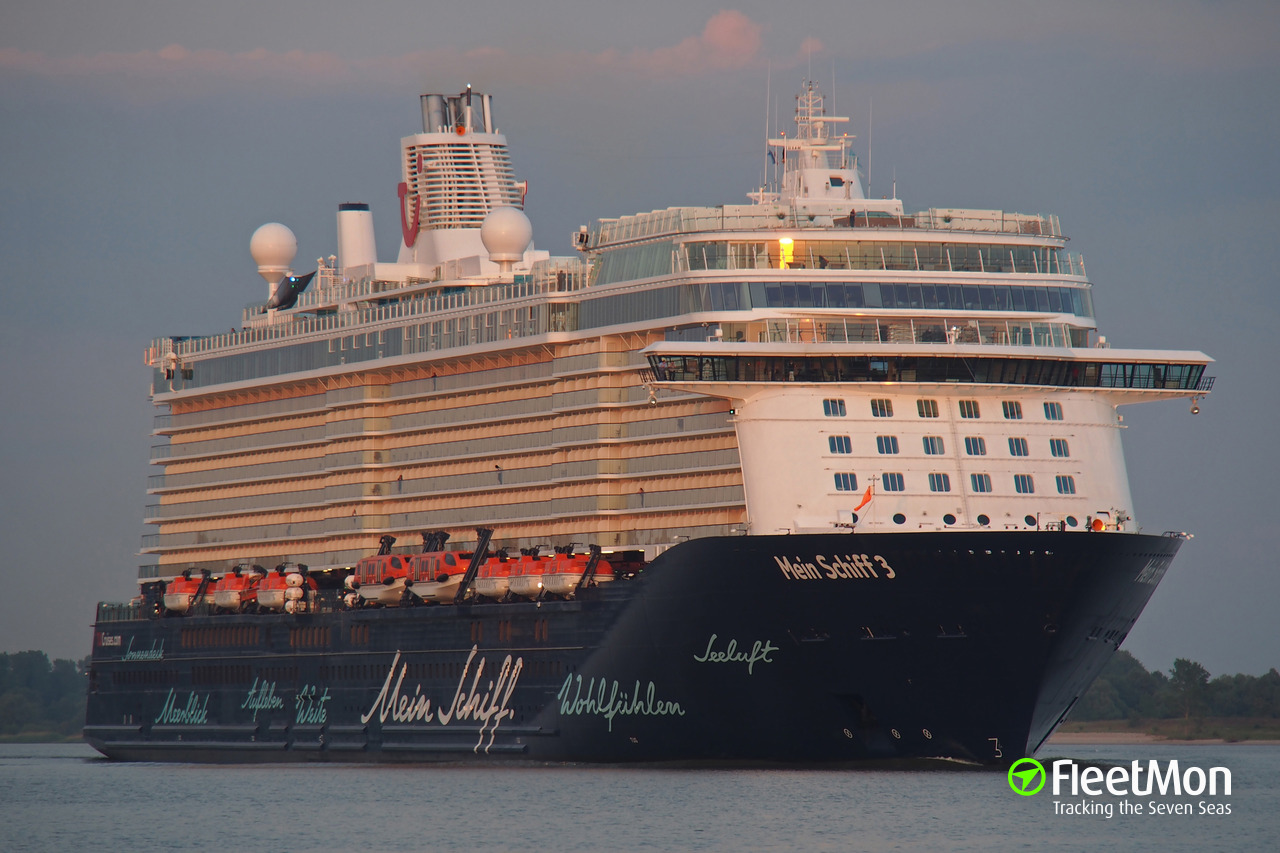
x,y
1027,777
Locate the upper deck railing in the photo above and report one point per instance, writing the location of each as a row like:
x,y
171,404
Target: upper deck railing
x,y
685,220
557,275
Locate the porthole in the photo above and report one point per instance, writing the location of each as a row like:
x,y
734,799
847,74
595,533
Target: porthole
x,y
983,519
853,516
899,518
1072,521
1030,520
949,519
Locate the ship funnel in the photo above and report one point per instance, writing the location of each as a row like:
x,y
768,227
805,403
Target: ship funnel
x,y
469,111
356,247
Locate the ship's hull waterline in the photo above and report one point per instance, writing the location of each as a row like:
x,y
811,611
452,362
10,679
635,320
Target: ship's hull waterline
x,y
806,649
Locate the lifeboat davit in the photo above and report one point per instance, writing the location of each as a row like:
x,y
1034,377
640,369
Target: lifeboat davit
x,y
288,588
238,587
494,578
526,574
180,593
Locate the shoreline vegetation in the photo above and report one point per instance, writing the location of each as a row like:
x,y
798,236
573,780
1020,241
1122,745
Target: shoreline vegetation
x,y
43,701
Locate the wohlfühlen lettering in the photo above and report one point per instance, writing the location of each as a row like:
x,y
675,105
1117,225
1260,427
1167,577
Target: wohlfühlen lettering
x,y
1144,789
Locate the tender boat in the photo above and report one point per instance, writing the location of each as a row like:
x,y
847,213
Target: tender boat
x,y
238,587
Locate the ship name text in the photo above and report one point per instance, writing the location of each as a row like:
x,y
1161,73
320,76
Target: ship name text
x,y
489,707
606,699
262,697
308,708
194,713
156,652
760,651
850,566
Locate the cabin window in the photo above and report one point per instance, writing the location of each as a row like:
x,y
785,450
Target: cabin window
x,y
1023,484
1066,485
881,408
893,482
1053,411
939,483
1058,447
1017,447
833,408
933,445
981,483
846,482
887,444
840,443
1012,410
927,408
975,445
969,409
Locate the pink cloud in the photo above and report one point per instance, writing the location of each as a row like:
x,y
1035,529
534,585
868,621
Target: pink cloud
x,y
729,40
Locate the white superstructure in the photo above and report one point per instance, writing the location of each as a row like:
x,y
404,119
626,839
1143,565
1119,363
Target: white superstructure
x,y
809,362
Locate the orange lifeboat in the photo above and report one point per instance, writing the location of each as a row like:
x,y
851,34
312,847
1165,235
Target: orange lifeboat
x,y
382,578
438,575
288,588
494,577
567,569
238,588
181,592
526,575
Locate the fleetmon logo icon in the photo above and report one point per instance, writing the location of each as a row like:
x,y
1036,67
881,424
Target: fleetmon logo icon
x,y
1026,776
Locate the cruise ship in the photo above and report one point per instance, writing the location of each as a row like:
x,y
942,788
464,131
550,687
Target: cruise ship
x,y
810,479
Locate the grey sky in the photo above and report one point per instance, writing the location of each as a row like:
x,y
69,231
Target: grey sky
x,y
142,142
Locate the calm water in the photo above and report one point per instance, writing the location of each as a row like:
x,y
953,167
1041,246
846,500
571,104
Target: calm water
x,y
64,798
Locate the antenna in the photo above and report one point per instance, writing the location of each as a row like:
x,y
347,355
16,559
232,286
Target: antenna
x,y
870,194
768,81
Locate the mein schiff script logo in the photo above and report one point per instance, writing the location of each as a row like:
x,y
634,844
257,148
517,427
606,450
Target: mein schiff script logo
x,y
1142,789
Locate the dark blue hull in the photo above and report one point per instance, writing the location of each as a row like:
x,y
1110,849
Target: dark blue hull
x,y
795,649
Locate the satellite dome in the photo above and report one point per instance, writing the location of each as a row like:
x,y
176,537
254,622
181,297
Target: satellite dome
x,y
506,232
273,246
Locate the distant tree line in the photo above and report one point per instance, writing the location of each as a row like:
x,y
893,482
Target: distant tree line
x,y
1127,691
40,699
